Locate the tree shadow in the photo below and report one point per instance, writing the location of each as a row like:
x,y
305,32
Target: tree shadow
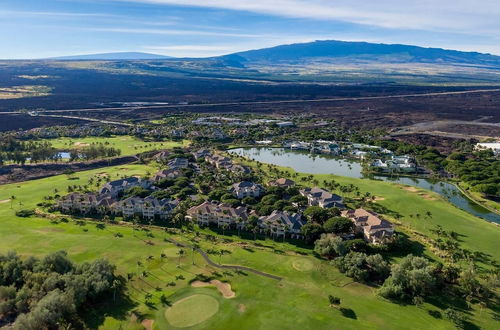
x,y
435,314
349,313
118,309
404,246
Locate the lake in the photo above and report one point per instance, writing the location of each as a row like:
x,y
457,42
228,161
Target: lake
x,y
324,164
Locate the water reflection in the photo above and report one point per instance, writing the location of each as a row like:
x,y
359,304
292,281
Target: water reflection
x,y
302,161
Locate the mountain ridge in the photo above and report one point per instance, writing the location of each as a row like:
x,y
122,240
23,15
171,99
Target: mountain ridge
x,y
378,52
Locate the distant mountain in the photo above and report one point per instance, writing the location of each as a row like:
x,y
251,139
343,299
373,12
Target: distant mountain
x,y
359,51
114,56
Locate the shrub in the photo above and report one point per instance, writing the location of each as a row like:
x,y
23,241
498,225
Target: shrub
x,y
25,213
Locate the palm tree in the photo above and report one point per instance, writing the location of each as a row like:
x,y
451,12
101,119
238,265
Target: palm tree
x,y
224,227
194,247
238,223
115,285
180,253
139,264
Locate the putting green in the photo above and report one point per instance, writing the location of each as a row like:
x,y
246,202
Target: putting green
x,y
303,265
192,310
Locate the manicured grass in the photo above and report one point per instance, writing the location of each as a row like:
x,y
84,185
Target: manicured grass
x,y
191,310
475,233
299,301
129,145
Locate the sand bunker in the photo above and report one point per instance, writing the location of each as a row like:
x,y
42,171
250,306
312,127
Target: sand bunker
x,y
224,288
148,324
5,201
81,144
428,197
410,189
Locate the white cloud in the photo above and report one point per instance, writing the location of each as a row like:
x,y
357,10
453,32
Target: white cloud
x,y
466,16
176,32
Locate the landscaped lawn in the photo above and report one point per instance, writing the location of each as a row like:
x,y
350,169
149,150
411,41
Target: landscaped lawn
x,y
298,301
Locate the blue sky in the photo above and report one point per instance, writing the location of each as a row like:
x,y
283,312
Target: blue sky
x,y
198,28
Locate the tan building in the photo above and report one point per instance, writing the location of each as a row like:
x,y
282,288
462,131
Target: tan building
x,y
280,223
283,183
322,198
374,228
147,208
218,213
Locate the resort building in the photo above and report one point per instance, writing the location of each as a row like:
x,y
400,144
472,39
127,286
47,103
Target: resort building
x,y
201,154
280,223
85,203
218,213
374,228
283,183
147,208
247,189
322,198
178,163
167,174
115,187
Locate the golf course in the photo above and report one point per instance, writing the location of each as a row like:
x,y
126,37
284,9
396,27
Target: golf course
x,y
161,294
128,145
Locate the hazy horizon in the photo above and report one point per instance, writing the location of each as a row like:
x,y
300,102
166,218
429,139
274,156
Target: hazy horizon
x,y
193,28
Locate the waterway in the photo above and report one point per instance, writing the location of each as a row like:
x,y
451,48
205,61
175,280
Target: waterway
x,y
325,164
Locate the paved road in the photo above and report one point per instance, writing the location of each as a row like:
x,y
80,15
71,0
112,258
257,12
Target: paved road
x,y
89,119
233,267
269,102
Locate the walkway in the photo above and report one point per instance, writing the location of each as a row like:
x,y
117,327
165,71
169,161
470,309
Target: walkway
x,y
233,267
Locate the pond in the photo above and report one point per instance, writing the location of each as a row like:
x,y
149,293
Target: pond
x,y
63,155
324,164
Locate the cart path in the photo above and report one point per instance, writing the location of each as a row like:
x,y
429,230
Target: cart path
x,y
234,267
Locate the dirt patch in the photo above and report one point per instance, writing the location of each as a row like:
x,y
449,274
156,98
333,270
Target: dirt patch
x,y
5,201
242,308
148,324
102,175
224,288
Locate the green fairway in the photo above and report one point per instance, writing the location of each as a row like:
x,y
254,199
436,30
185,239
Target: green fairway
x,y
192,310
128,145
475,233
298,301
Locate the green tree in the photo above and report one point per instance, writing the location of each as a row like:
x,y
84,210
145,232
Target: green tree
x,y
338,225
330,246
